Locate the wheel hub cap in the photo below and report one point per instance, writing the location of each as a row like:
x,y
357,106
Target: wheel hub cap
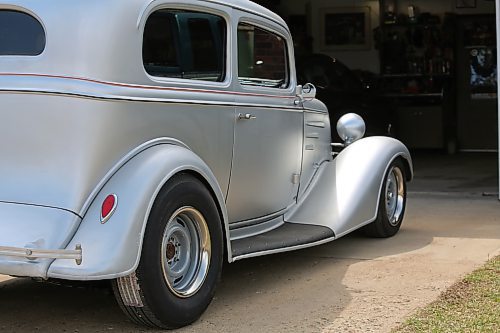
x,y
170,251
186,249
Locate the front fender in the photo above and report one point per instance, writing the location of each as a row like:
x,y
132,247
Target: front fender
x,y
113,249
345,192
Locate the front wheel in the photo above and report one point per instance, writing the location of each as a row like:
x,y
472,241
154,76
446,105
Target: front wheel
x,y
392,203
181,258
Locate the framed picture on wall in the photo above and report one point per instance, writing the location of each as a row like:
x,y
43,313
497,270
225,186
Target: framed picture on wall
x,y
465,3
483,71
345,28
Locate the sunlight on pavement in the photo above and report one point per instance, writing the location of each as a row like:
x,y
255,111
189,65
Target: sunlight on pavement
x,y
4,278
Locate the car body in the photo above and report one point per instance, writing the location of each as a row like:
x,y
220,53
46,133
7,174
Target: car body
x,y
343,91
144,141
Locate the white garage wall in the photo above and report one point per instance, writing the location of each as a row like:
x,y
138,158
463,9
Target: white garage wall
x,y
498,94
369,59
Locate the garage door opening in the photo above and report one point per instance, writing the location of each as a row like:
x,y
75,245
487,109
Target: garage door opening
x,y
422,71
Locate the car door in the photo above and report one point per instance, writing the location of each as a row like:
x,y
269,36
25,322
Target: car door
x,y
269,126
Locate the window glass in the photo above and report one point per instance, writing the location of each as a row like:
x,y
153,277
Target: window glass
x,y
261,58
20,34
184,44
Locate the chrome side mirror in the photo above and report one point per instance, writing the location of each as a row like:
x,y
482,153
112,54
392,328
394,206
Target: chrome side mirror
x,y
351,128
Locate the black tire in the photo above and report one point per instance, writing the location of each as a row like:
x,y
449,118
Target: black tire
x,y
147,297
384,226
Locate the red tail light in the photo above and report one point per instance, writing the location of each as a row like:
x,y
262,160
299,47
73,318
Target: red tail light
x,y
108,207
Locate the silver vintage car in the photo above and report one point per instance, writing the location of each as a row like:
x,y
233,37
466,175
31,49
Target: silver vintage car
x,y
146,142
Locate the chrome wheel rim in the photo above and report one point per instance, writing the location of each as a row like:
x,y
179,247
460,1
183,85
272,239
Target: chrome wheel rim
x,y
394,195
185,252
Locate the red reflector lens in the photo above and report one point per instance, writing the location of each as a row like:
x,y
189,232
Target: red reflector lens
x,y
108,207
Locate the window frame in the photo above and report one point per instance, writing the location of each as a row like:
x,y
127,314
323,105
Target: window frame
x,y
227,61
270,29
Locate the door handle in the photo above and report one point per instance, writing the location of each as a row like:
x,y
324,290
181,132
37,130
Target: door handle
x,y
246,116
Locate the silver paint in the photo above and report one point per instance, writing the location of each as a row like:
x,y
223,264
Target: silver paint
x,y
38,229
256,229
137,183
348,188
351,128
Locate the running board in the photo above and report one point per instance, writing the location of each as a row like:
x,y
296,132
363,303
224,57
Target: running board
x,y
287,237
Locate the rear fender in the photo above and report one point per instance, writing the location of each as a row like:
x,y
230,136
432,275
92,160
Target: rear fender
x,y
113,249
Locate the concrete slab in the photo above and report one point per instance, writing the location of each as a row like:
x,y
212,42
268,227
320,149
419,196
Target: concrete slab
x,y
355,284
472,173
4,278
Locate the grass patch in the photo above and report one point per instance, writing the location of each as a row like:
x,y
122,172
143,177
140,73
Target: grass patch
x,y
471,305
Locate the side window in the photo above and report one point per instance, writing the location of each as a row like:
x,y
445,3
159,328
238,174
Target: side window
x,y
262,57
185,44
20,34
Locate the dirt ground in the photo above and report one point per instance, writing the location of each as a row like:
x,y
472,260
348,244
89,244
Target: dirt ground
x,y
355,284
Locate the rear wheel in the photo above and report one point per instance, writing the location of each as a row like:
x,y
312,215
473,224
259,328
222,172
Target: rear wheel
x,y
392,203
181,258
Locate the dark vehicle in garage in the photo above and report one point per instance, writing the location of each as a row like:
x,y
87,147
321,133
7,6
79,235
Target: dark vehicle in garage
x,y
345,92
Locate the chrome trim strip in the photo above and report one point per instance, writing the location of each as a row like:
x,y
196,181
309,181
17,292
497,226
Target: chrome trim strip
x,y
312,136
148,87
319,124
150,100
32,254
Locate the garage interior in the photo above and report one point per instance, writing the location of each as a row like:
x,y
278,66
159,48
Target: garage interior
x,y
434,62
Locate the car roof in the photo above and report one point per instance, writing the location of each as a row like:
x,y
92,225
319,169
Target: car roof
x,y
86,38
250,6
244,5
